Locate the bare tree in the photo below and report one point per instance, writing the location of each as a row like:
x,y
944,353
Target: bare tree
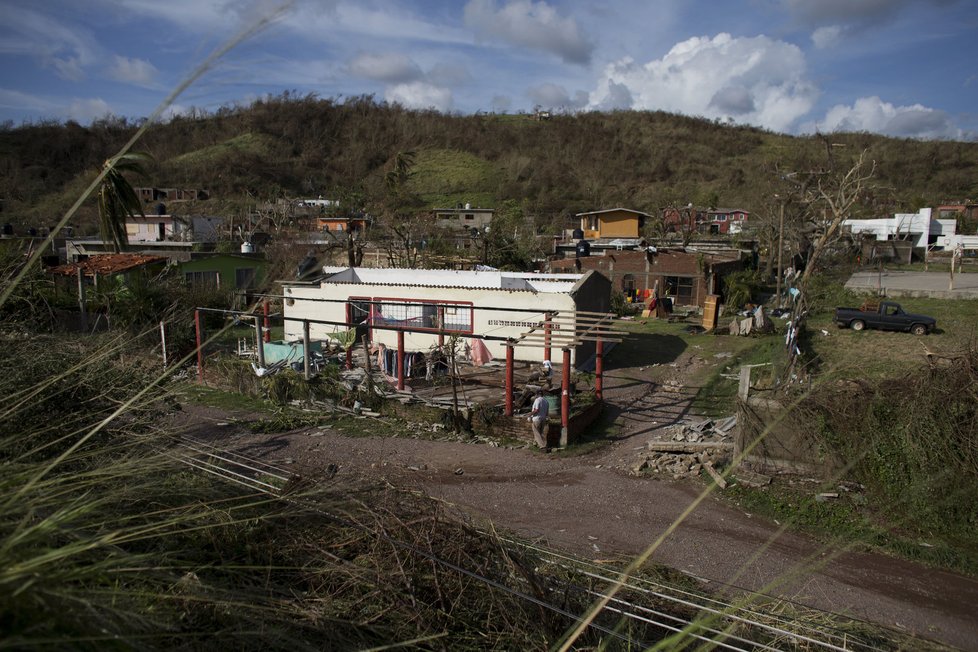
x,y
831,195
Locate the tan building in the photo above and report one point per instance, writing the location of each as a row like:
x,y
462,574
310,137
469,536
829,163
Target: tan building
x,y
612,223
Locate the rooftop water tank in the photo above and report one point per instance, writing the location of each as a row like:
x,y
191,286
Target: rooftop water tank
x,y
583,249
247,248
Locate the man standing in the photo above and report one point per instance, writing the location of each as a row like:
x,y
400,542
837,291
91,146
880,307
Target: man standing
x,y
538,420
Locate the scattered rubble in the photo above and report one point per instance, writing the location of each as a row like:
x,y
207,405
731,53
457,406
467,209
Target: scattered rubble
x,y
693,448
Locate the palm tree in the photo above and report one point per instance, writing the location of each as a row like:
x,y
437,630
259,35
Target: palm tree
x,y
116,198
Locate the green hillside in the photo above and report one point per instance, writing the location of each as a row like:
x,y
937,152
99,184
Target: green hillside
x,y
299,146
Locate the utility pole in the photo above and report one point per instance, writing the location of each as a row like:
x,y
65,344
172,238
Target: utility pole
x,y
780,246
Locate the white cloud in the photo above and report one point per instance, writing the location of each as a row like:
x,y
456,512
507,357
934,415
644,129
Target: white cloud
x,y
420,95
65,49
837,20
553,96
133,71
757,80
87,110
826,37
529,24
874,115
388,67
13,99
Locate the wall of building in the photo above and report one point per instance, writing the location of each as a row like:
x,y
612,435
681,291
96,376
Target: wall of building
x,y
498,323
147,229
226,266
618,224
642,271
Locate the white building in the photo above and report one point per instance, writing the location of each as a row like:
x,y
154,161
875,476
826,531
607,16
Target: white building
x,y
921,228
498,304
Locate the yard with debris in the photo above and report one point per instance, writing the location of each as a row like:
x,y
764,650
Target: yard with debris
x,y
665,435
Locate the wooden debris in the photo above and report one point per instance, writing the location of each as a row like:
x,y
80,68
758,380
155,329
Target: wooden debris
x,y
687,447
715,475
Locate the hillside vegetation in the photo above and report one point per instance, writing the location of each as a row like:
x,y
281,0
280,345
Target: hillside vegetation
x,y
293,146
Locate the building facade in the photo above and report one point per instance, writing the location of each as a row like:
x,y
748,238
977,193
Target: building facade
x,y
469,304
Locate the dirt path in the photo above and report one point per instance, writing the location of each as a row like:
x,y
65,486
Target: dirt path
x,y
588,505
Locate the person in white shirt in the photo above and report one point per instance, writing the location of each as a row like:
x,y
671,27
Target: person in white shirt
x,y
538,420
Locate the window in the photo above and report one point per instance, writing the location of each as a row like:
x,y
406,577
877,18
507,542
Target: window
x,y
680,287
203,279
132,229
244,278
469,217
628,283
420,315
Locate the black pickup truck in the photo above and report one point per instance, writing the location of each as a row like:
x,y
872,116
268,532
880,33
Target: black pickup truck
x,y
887,316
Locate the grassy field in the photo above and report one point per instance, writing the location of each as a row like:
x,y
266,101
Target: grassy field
x,y
875,354
444,177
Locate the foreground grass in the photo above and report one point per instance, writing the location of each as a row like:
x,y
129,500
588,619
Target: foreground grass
x,y
851,521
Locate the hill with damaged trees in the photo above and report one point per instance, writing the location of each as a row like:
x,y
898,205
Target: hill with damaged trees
x,y
298,146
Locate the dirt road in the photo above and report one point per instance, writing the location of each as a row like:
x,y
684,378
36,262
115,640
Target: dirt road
x,y
589,505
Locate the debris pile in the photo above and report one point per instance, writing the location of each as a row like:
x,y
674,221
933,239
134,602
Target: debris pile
x,y
693,448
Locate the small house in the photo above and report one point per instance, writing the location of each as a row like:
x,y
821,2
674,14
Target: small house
x,y
423,302
612,223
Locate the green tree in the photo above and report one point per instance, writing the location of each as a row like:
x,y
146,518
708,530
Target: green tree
x,y
116,198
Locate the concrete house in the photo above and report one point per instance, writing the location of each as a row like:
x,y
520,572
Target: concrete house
x,y
463,218
466,303
224,270
686,277
612,223
726,220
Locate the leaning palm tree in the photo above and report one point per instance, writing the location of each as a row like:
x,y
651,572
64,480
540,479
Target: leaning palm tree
x,y
116,198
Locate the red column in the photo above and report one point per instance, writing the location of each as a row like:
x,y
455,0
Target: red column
x,y
349,358
546,336
400,359
599,370
565,398
268,322
200,351
509,380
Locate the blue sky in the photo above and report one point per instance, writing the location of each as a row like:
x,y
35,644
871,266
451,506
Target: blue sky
x,y
906,68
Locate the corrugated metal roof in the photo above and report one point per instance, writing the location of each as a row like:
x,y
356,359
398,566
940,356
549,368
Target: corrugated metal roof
x,y
107,264
452,279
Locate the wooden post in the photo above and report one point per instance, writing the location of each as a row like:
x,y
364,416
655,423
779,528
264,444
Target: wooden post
x,y
163,341
200,350
82,307
305,348
599,369
400,360
268,321
777,292
349,357
565,399
259,345
509,379
546,336
743,387
441,327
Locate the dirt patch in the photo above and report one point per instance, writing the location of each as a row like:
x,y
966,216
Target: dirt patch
x,y
587,504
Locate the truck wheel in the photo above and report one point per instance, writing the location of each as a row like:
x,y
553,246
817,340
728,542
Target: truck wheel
x,y
918,329
857,324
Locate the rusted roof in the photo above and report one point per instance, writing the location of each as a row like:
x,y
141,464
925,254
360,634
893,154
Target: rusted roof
x,y
107,264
